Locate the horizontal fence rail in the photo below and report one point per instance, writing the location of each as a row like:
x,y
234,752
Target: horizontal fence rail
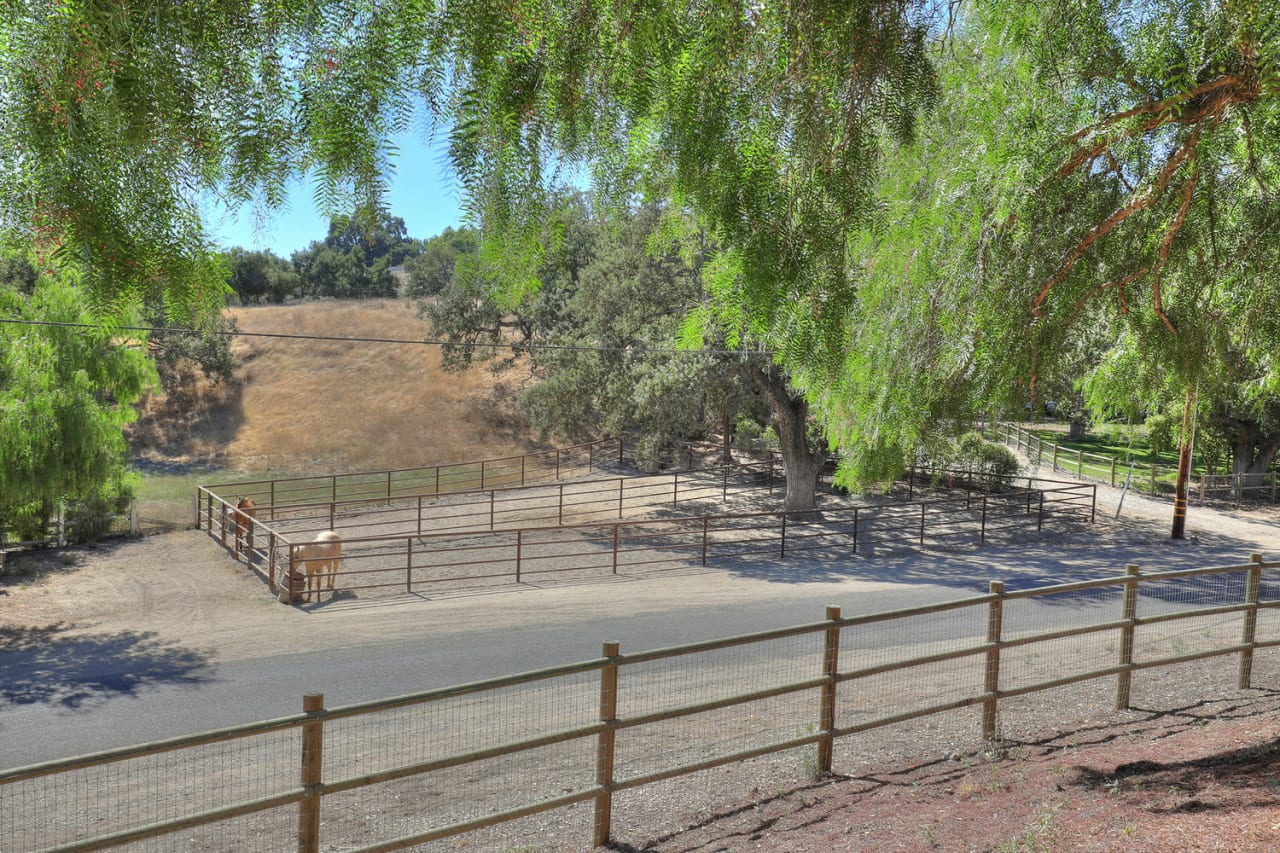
x,y
476,755
1153,479
426,480
488,552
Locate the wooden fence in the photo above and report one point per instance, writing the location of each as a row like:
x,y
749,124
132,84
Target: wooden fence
x,y
70,527
615,711
1154,479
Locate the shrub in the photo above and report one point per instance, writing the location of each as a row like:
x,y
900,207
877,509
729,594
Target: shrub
x,y
1160,433
985,463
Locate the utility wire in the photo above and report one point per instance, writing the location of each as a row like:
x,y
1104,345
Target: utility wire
x,y
419,341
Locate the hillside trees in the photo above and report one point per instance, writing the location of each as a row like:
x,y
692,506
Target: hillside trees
x,y
1086,157
432,268
599,333
259,276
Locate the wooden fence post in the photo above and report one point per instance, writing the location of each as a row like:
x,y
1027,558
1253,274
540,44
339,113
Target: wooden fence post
x,y
1055,456
135,526
1113,471
604,746
1253,583
1080,462
312,762
991,679
705,522
830,669
333,511
675,489
482,475
1129,613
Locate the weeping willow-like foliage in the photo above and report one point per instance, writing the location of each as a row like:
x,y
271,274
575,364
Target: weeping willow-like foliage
x,y
65,393
119,116
1090,167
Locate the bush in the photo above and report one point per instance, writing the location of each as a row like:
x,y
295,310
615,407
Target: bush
x,y
1160,433
985,463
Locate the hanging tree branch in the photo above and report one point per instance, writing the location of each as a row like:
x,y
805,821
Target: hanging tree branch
x,y
1176,159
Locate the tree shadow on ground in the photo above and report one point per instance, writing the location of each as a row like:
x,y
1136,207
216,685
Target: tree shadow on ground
x,y
1022,562
49,665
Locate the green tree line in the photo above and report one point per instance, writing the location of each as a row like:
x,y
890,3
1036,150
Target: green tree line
x,y
922,212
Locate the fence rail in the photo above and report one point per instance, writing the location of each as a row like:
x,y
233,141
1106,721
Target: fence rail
x,y
1154,479
589,730
487,552
71,527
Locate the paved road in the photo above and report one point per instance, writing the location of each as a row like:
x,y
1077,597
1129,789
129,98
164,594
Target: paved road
x,y
127,698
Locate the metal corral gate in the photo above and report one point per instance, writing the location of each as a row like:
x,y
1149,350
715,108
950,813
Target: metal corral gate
x,y
505,536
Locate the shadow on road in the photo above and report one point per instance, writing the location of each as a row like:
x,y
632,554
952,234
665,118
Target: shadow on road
x,y
49,665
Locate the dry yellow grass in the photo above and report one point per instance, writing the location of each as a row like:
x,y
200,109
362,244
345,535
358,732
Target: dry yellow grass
x,y
312,406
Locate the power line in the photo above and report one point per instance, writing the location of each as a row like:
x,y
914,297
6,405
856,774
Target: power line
x,y
366,340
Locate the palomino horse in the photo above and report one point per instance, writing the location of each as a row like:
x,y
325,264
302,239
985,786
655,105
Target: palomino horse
x,y
322,555
244,516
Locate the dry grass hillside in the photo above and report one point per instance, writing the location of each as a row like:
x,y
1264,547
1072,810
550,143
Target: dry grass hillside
x,y
308,406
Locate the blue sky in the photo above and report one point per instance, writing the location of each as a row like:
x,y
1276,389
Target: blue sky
x,y
424,193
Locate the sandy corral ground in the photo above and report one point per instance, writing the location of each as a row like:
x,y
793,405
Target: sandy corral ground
x,y
1184,773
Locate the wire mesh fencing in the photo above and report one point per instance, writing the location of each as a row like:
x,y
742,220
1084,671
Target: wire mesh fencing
x,y
412,770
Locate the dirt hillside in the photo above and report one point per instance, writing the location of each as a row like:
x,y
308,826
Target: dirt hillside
x,y
315,405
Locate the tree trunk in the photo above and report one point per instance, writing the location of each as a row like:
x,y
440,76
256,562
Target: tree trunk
x,y
1184,468
801,461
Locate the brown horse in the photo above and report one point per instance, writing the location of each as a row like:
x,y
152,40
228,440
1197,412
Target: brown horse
x,y
322,555
244,516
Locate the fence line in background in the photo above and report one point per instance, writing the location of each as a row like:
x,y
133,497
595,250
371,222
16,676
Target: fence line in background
x,y
1152,478
428,479
999,631
70,527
